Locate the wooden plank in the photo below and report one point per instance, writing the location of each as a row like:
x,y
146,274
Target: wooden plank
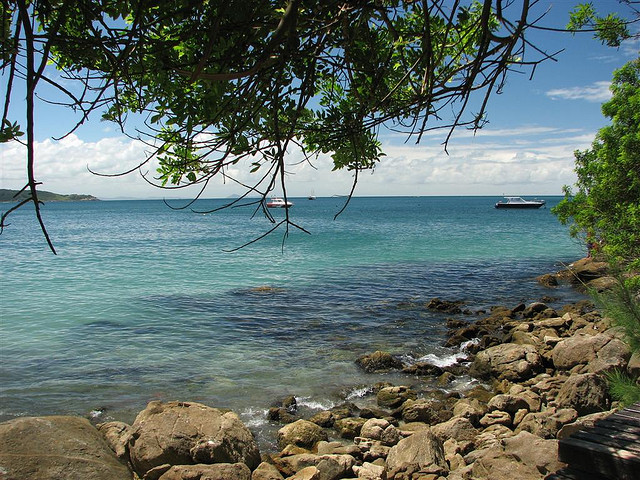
x,y
618,426
608,441
598,459
629,417
572,474
632,437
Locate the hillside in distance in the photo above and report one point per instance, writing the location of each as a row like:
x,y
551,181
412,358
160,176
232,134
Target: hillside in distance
x,y
7,195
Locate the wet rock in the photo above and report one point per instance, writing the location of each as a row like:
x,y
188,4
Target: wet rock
x,y
301,433
445,306
379,362
56,447
349,427
393,397
423,369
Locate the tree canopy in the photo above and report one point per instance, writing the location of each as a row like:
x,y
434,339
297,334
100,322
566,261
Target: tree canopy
x,y
606,206
213,83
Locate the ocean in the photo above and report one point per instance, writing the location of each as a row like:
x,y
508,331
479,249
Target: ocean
x,y
144,302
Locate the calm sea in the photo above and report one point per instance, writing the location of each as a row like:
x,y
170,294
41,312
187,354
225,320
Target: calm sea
x,y
148,303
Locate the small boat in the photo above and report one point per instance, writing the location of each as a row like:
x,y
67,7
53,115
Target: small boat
x,y
311,197
519,202
277,202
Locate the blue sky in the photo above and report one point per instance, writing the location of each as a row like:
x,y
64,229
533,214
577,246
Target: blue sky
x,y
526,149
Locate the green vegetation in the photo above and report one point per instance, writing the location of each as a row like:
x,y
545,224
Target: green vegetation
x,y
17,196
605,209
605,212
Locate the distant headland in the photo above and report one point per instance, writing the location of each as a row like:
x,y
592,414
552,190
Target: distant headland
x,y
7,195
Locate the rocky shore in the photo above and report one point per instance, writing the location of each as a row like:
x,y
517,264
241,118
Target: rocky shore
x,y
541,377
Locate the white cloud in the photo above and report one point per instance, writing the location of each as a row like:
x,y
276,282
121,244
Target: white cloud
x,y
525,160
598,92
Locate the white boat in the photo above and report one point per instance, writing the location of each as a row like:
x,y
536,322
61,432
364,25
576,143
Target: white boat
x,y
519,202
278,202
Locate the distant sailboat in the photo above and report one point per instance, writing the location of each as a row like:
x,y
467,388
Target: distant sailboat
x,y
312,196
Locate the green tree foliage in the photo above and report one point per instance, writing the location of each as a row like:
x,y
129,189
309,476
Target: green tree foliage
x,y
220,83
606,205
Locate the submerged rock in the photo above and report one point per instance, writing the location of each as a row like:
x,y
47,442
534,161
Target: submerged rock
x,y
379,362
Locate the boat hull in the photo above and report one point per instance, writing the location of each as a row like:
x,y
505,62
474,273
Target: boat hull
x,y
519,206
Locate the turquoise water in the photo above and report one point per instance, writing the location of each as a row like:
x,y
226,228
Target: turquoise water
x,y
144,302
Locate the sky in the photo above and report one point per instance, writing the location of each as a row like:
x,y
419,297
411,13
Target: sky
x,y
526,149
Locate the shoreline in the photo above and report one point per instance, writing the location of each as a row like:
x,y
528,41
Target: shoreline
x,y
522,398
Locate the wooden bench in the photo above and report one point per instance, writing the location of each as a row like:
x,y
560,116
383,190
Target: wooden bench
x,y
609,450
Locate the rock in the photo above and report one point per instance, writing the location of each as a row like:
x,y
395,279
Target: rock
x,y
587,269
419,451
379,362
524,456
512,403
54,448
614,355
302,433
577,349
548,280
370,471
445,306
181,433
373,428
329,467
470,408
349,427
633,368
547,423
534,309
308,473
393,397
587,421
323,419
425,410
586,393
423,369
507,361
219,471
602,284
496,418
266,471
117,435
458,428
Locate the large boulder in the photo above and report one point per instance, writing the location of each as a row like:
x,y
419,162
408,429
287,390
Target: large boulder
x,y
422,450
54,448
219,471
508,361
578,349
186,433
524,456
301,433
586,393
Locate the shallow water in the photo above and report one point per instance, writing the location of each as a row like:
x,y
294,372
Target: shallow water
x,y
145,303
